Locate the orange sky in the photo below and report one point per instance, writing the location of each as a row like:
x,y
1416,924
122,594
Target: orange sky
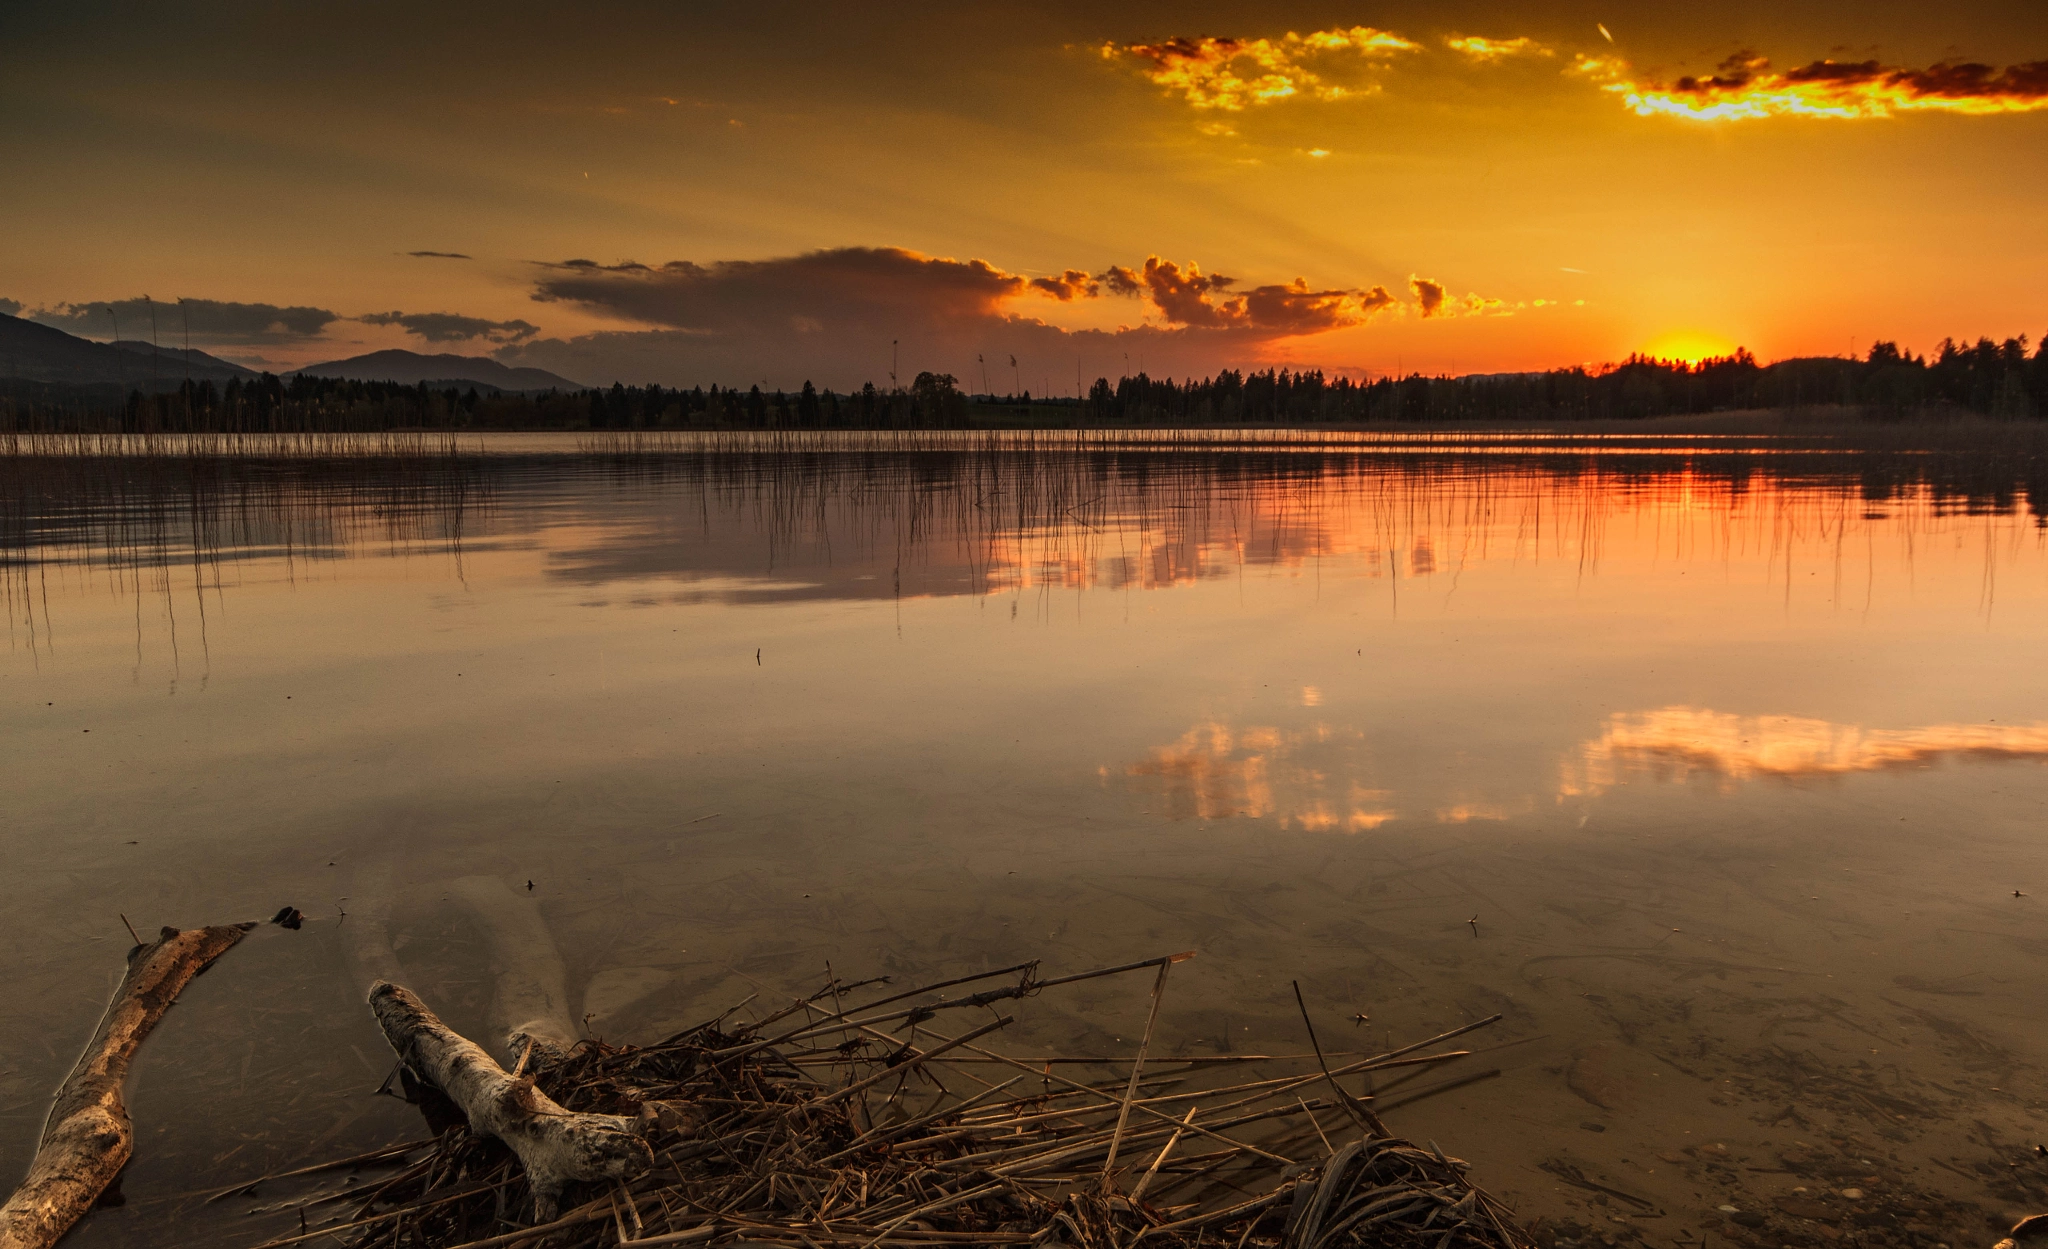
x,y
1798,179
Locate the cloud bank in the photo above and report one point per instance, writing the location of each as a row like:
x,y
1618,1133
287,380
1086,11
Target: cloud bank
x,y
846,316
210,322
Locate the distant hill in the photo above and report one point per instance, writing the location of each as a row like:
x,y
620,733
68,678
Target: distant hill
x,y
40,353
411,368
168,355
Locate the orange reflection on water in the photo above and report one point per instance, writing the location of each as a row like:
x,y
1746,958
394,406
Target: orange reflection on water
x,y
1466,812
1214,772
1674,743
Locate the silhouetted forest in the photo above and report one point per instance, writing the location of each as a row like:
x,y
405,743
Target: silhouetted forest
x,y
1990,378
1994,379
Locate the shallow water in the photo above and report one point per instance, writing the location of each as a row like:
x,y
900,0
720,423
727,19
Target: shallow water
x,y
1713,769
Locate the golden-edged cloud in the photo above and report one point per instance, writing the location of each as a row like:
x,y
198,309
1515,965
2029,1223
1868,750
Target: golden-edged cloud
x,y
1676,743
1429,295
1434,299
1746,88
1484,50
1068,286
1231,74
1189,297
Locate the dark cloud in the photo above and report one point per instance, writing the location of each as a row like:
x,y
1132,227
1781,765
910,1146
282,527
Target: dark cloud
x,y
847,316
1182,296
10,306
842,289
449,327
212,322
1969,80
441,255
1189,297
1429,296
1734,73
1071,285
1295,309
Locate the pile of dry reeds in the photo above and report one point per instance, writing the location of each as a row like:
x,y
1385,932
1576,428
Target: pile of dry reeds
x,y
826,1125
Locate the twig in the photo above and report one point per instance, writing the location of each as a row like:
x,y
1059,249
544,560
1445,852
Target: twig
x,y
906,1066
1138,1189
372,1156
1123,1112
1358,1111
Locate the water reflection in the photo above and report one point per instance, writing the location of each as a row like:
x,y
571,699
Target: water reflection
x,y
742,714
1213,772
182,526
1318,778
739,526
1681,743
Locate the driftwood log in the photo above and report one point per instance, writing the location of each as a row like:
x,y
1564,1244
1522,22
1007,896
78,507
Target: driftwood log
x,y
88,1137
555,1146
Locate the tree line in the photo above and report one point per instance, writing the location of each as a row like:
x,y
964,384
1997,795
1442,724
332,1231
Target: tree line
x,y
2001,379
1996,379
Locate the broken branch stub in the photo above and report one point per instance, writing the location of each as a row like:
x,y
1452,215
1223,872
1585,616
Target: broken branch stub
x,y
88,1137
554,1145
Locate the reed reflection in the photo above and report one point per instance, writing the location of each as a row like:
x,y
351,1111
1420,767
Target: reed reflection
x,y
172,518
957,521
740,526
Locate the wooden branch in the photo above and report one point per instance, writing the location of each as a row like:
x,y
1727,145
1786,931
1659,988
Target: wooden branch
x,y
88,1137
554,1145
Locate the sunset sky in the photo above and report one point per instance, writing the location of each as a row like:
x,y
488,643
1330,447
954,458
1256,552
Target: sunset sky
x,y
694,193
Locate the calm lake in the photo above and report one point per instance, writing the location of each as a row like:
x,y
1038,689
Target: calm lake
x,y
1714,766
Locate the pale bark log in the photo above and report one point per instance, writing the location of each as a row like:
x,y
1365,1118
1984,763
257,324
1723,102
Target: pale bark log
x,y
88,1137
554,1145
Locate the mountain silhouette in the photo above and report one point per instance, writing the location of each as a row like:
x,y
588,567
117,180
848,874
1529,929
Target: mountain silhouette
x,y
32,352
411,368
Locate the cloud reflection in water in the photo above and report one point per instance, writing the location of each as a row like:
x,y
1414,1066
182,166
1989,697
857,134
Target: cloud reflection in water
x,y
1214,772
1677,743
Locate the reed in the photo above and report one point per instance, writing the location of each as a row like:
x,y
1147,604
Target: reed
x,y
888,1137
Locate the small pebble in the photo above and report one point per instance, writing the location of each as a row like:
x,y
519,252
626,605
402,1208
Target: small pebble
x,y
1853,1194
1728,1209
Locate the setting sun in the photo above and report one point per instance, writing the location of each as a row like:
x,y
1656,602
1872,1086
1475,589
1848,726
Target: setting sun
x,y
1689,346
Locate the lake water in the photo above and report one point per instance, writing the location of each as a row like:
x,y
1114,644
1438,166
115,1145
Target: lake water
x,y
1714,766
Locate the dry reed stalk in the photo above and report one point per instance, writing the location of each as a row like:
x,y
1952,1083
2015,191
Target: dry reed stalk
x,y
750,1148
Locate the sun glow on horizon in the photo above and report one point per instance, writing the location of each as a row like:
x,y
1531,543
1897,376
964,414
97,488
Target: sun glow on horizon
x,y
1689,346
